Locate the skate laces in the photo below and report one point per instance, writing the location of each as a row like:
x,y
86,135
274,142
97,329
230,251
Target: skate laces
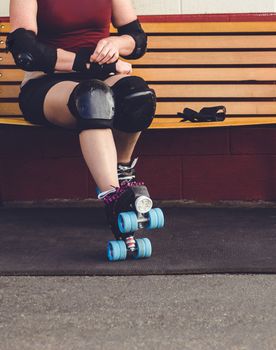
x,y
127,172
102,195
112,195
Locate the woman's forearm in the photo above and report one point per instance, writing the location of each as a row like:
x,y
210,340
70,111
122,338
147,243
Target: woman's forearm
x,y
65,60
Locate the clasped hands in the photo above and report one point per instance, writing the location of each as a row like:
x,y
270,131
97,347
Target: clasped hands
x,y
107,52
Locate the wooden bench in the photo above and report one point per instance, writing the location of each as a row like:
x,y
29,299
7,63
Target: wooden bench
x,y
189,65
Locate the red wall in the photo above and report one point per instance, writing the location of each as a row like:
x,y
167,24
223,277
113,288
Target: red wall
x,y
196,164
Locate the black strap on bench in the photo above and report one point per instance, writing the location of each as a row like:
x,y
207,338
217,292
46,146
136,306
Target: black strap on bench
x,y
206,114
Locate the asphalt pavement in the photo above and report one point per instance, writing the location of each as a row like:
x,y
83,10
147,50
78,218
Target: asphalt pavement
x,y
189,312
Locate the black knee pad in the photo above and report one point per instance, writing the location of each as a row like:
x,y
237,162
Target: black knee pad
x,y
92,104
135,104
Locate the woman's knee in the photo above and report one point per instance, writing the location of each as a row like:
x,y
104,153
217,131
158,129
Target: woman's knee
x,y
135,104
92,104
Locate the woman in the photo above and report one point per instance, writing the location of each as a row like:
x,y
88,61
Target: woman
x,y
74,79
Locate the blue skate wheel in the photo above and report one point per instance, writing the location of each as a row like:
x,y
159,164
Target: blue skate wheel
x,y
160,216
144,248
116,250
148,247
156,219
127,222
123,250
134,221
153,220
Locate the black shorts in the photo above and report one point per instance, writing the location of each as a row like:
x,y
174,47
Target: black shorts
x,y
33,93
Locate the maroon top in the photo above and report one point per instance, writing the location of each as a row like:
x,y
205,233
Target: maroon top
x,y
71,24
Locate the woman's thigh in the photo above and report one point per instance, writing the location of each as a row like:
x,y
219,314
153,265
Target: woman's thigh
x,y
55,106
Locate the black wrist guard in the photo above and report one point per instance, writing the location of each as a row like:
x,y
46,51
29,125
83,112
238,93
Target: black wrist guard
x,y
135,30
95,70
81,59
102,71
28,53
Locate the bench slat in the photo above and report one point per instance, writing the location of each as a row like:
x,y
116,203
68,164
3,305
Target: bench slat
x,y
198,42
172,123
10,75
179,74
6,59
175,124
210,27
213,91
233,108
171,108
195,91
195,27
212,42
16,121
10,108
9,91
206,74
208,58
4,27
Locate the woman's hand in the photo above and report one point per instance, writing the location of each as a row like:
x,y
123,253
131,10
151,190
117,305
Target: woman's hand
x,y
106,51
123,67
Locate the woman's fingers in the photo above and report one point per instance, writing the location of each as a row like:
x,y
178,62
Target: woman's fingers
x,y
102,55
105,52
114,57
108,54
98,50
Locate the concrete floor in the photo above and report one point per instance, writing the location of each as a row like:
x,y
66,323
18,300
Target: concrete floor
x,y
149,312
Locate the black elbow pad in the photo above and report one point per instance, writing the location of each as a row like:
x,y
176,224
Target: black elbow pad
x,y
135,30
28,53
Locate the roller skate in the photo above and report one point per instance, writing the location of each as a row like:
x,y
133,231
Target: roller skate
x,y
129,209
